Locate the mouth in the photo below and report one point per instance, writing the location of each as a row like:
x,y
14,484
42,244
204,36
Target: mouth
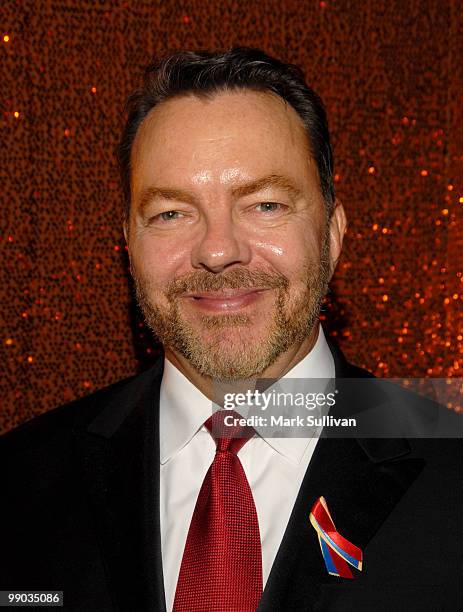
x,y
226,300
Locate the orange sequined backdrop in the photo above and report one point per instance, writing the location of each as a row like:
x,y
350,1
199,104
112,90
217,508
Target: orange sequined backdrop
x,y
391,74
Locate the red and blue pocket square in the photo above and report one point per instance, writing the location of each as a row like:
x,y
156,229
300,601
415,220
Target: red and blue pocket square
x,y
338,553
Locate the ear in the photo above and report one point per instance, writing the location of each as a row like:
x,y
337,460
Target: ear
x,y
125,227
338,226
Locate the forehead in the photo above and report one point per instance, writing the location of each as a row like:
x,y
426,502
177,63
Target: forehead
x,y
246,132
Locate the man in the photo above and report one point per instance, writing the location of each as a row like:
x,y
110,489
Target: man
x,y
129,499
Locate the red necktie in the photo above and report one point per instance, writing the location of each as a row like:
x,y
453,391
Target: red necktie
x,y
221,567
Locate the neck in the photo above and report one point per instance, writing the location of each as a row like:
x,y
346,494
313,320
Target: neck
x,y
283,364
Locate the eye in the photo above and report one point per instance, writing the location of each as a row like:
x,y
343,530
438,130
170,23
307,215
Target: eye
x,y
164,217
269,207
169,215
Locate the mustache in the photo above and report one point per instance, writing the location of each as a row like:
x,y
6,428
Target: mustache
x,y
238,278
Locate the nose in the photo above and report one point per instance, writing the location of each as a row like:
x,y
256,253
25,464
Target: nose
x,y
220,246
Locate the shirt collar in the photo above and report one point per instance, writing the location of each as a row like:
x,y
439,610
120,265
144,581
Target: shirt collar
x,y
318,363
184,409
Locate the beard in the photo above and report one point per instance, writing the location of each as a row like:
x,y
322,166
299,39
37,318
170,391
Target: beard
x,y
221,346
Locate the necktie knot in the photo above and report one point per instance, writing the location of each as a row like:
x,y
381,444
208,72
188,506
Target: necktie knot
x,y
229,434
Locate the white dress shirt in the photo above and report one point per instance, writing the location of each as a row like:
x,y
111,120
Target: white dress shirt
x,y
274,467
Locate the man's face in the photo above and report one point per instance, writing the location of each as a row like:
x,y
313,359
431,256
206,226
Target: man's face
x,y
228,237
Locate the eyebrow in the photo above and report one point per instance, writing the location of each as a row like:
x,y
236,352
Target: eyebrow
x,y
154,193
179,195
273,180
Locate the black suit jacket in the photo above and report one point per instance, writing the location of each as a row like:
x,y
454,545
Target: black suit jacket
x,y
80,512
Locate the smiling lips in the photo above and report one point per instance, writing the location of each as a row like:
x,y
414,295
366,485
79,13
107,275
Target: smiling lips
x,y
226,300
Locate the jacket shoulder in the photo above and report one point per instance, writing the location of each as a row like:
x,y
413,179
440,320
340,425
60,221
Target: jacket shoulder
x,y
60,422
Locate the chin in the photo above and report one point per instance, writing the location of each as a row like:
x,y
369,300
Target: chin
x,y
232,353
233,337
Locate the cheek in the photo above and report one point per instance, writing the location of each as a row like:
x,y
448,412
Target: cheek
x,y
159,260
290,252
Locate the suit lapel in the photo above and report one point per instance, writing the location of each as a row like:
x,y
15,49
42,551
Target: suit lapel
x,y
362,481
120,458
